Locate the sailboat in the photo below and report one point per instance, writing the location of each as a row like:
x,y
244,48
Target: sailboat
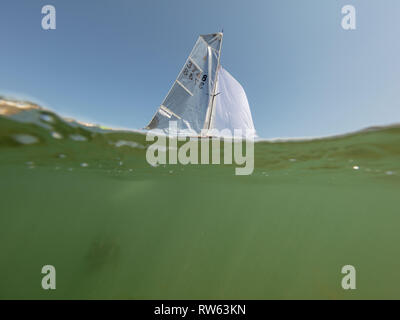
x,y
205,100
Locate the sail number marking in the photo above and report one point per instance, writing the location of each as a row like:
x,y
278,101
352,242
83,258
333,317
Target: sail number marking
x,y
193,73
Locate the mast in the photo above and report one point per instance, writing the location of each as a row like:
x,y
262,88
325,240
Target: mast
x,y
212,109
211,104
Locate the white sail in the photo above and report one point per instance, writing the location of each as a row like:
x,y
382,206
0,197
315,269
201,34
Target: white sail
x,y
231,109
188,101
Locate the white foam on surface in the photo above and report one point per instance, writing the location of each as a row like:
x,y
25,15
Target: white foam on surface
x,y
25,138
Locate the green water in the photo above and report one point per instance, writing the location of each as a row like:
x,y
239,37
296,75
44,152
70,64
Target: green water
x,y
121,229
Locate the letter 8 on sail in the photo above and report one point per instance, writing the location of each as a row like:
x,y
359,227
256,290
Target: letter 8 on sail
x,y
205,96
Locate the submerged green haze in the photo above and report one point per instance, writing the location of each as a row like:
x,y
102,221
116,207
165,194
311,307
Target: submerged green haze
x,y
85,200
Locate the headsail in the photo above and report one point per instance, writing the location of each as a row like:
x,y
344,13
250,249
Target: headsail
x,y
231,110
188,101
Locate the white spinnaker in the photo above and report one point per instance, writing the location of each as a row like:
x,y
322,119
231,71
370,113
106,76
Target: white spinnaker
x,y
189,99
231,110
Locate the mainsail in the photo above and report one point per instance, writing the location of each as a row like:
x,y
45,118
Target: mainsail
x,y
205,96
188,101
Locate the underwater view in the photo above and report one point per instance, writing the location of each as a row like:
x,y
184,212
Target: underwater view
x,y
84,199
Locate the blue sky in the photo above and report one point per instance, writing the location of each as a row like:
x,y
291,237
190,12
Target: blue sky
x,y
112,62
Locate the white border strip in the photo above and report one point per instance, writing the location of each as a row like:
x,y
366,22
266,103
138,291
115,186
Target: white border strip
x,y
186,89
165,109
